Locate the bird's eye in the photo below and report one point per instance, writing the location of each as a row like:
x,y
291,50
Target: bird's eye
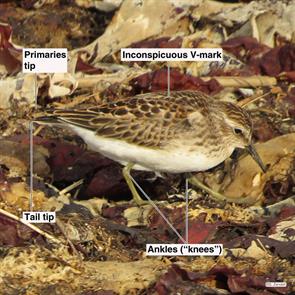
x,y
238,131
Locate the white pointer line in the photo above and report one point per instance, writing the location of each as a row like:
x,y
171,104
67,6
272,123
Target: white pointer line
x,y
186,210
31,126
168,80
158,210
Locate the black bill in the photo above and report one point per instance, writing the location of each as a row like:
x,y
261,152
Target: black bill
x,y
255,156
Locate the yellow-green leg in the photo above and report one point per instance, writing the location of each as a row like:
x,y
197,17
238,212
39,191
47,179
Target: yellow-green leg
x,y
136,197
216,195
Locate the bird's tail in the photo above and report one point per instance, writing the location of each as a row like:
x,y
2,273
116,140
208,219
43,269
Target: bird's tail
x,y
80,118
46,117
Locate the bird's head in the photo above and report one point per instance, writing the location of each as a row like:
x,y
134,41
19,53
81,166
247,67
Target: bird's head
x,y
239,130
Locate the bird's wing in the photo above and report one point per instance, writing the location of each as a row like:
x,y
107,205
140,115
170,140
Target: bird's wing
x,y
148,120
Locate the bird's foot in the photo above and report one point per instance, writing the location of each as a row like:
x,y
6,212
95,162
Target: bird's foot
x,y
213,194
139,201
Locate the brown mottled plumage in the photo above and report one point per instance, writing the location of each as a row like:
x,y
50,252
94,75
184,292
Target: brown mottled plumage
x,y
184,132
153,119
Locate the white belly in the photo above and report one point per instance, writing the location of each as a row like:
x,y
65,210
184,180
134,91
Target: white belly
x,y
174,161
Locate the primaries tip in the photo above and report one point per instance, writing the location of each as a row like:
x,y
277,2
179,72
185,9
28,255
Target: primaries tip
x,y
48,118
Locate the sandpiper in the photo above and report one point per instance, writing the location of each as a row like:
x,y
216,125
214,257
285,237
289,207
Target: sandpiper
x,y
187,131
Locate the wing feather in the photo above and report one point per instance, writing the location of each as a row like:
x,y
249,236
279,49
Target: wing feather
x,y
146,119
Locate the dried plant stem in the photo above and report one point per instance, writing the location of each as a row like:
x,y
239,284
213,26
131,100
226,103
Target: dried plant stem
x,y
31,226
71,187
251,99
38,130
252,81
